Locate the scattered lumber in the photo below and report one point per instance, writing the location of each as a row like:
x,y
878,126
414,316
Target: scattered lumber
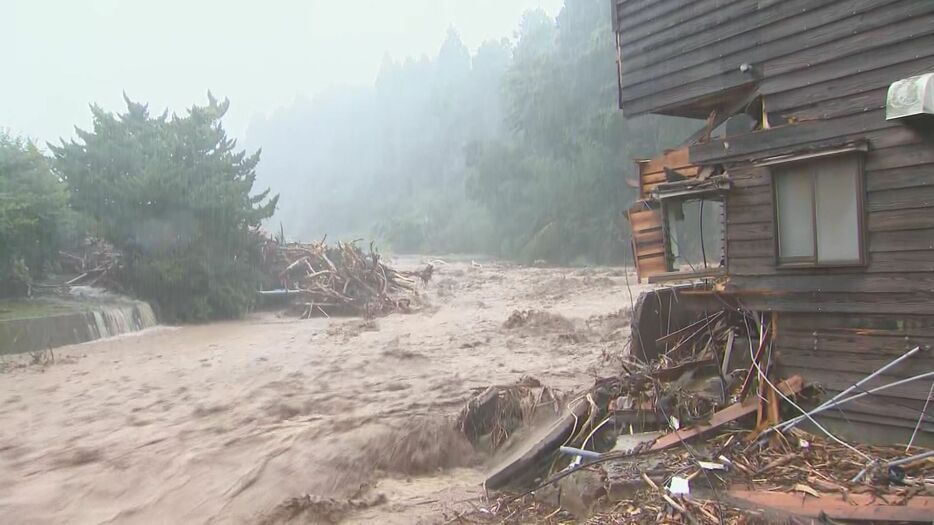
x,y
341,279
788,387
715,463
93,263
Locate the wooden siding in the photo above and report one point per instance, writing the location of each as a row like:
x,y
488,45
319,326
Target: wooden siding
x,y
675,54
839,350
822,69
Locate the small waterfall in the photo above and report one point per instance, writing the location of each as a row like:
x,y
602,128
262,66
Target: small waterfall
x,y
100,325
147,318
111,320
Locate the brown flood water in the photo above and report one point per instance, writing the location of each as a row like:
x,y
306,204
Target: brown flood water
x,y
230,422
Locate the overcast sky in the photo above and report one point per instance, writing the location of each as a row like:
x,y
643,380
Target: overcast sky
x,y
60,55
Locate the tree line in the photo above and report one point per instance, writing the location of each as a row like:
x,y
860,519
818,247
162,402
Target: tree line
x,y
172,193
517,150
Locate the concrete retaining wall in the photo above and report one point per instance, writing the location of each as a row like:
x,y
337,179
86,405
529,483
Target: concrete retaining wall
x,y
43,332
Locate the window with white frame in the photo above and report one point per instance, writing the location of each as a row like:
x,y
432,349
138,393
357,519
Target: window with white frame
x,y
819,211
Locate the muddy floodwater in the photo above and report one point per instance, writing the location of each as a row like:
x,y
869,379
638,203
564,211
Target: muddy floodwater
x,y
273,419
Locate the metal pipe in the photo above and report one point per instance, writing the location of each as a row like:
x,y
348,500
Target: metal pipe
x,y
924,411
589,454
909,459
862,394
792,422
277,293
923,455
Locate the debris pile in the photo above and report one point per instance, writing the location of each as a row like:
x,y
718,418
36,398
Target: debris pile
x,y
706,433
93,262
341,279
494,413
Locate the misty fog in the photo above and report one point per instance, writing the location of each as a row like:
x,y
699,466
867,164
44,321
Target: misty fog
x,y
428,126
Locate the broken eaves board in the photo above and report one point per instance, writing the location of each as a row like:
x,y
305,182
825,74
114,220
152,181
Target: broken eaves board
x,y
863,507
648,239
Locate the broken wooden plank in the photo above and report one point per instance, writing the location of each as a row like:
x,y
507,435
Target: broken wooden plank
x,y
515,471
672,373
687,329
833,506
733,412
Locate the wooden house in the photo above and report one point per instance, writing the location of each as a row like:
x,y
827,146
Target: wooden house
x,y
814,133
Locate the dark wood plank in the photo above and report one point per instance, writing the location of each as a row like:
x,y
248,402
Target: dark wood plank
x,y
858,82
633,13
903,408
749,231
917,303
873,100
903,177
902,261
874,324
898,220
839,380
900,157
841,20
789,138
855,425
687,19
836,346
832,282
651,58
751,265
764,28
901,199
667,101
632,8
900,241
749,214
752,248
751,196
744,182
728,38
879,262
908,40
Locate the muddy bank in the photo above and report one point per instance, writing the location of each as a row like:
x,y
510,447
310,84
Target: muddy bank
x,y
279,420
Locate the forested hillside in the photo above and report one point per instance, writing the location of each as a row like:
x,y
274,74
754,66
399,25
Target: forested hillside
x,y
516,150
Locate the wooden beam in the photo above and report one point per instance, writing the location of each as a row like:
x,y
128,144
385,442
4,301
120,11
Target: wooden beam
x,y
860,507
733,412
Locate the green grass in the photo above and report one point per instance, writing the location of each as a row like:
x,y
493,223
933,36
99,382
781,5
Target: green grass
x,y
29,308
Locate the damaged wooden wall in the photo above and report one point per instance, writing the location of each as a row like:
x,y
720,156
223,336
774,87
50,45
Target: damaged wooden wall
x,y
822,69
681,57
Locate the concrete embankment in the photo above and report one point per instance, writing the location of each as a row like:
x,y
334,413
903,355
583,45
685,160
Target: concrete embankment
x,y
41,325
